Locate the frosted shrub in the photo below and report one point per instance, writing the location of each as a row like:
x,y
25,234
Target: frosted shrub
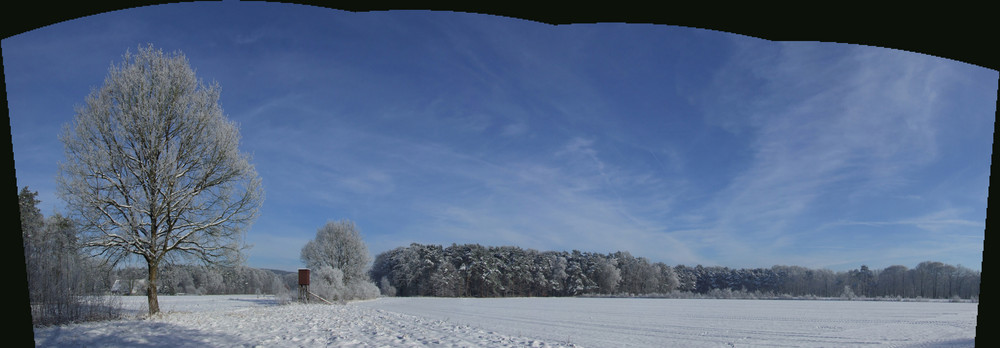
x,y
361,291
328,283
287,296
76,308
720,293
386,287
848,293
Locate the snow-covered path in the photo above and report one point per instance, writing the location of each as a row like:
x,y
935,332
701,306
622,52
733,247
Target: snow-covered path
x,y
247,321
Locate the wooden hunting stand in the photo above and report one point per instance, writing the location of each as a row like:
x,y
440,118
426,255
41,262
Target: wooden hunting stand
x,y
304,285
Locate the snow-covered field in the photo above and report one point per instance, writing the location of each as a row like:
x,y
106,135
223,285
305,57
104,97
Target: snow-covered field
x,y
616,322
247,321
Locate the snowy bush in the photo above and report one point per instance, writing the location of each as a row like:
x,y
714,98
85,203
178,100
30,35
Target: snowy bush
x,y
328,283
848,293
386,288
361,291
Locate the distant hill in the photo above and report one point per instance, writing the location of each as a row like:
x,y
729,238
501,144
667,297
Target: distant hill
x,y
278,271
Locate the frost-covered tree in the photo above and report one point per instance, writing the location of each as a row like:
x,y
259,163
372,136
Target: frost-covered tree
x,y
213,282
555,272
668,279
32,228
862,281
32,220
153,167
386,287
338,245
382,268
606,275
61,281
475,270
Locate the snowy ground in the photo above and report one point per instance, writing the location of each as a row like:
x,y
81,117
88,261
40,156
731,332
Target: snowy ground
x,y
248,321
615,322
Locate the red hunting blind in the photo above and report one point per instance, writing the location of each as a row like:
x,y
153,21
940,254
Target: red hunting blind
x,y
303,276
304,285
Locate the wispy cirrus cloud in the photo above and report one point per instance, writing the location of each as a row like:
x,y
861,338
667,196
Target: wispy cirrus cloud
x,y
825,124
681,145
515,129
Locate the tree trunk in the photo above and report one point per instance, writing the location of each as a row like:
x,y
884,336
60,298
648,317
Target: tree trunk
x,y
154,304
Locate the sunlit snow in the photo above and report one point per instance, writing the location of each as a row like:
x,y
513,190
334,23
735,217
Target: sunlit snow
x,y
249,321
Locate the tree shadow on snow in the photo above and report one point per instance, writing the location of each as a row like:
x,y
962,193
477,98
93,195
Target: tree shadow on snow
x,y
259,301
133,334
960,342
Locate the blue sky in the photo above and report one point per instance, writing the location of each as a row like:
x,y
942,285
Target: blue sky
x,y
682,145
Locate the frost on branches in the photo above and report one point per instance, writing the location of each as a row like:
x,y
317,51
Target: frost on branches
x,y
153,167
339,260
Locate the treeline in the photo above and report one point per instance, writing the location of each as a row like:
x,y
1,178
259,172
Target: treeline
x,y
202,280
60,278
478,271
65,285
472,270
928,280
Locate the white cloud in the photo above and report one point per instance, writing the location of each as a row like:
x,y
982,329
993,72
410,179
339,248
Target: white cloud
x,y
550,206
366,183
515,129
825,121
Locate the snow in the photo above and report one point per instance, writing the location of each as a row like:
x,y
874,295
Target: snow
x,y
249,321
611,322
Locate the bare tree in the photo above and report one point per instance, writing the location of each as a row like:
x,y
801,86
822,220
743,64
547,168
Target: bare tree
x,y
153,167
